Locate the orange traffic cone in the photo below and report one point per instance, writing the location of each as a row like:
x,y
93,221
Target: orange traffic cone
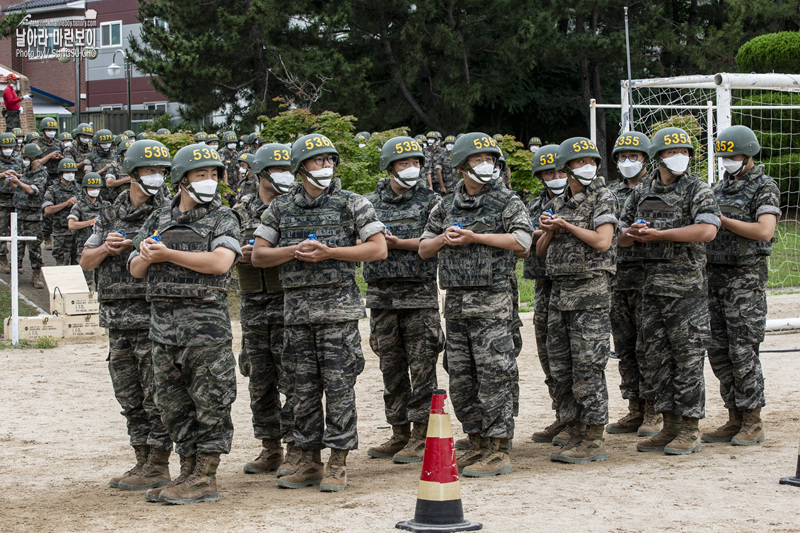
x,y
439,496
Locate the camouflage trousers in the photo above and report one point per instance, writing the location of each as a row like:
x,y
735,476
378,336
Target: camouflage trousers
x,y
541,305
516,336
30,228
482,370
130,365
626,327
262,347
674,335
407,343
65,250
327,359
195,387
738,319
12,119
578,343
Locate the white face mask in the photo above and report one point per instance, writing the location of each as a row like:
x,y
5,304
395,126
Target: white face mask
x,y
449,147
151,184
733,167
556,186
407,177
67,144
242,171
201,142
231,146
94,193
84,140
49,134
483,173
496,173
203,191
8,151
68,176
321,178
281,181
26,163
585,174
431,141
533,149
214,145
677,164
105,146
630,169
20,141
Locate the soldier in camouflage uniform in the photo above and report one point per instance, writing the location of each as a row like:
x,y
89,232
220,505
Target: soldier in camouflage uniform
x,y
311,233
80,148
28,197
246,182
534,143
49,143
262,320
405,327
58,200
630,152
10,164
476,231
555,183
737,278
124,310
432,155
187,266
668,217
229,156
20,135
84,214
104,161
447,176
579,246
212,141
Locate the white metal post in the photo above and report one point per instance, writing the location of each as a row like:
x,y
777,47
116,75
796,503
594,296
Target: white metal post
x,y
710,140
593,120
14,282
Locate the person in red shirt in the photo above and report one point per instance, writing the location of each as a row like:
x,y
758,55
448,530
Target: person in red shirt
x,y
11,102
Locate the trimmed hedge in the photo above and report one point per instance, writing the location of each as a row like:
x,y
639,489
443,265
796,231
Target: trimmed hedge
x,y
772,52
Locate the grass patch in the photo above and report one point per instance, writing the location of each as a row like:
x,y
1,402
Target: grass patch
x,y
526,288
784,263
5,305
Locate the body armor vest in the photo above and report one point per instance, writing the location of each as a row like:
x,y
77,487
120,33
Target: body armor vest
x,y
734,198
170,281
406,220
62,193
624,253
476,265
253,279
534,266
333,225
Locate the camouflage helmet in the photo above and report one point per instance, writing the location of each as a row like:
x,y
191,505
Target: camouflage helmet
x,y
250,138
163,131
123,146
102,136
364,134
92,180
84,129
460,135
632,141
18,132
145,153
141,136
200,136
192,157
534,140
229,137
576,148
473,143
667,138
246,157
270,155
32,151
400,148
450,139
64,136
420,138
48,123
736,140
497,137
67,165
433,135
8,140
129,133
257,139
545,159
212,137
310,146
32,136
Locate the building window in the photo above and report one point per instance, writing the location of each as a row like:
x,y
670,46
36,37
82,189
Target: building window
x,y
111,33
110,107
157,106
41,42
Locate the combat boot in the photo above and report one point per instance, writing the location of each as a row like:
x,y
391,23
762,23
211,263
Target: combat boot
x,y
496,461
36,278
5,267
142,452
48,242
591,448
752,431
154,473
473,453
414,451
335,474
187,467
562,438
309,471
289,464
652,421
688,440
268,460
726,431
398,441
670,430
550,432
462,443
577,431
199,487
630,422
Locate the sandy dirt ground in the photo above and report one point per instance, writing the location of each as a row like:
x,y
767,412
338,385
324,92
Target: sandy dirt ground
x,y
62,437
